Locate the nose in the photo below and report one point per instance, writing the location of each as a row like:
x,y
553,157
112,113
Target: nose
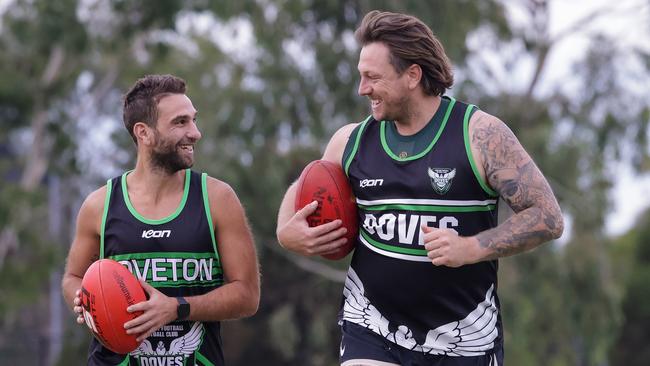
x,y
194,132
364,87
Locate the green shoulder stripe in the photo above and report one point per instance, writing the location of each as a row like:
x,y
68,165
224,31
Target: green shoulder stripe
x,y
359,129
468,150
107,199
208,215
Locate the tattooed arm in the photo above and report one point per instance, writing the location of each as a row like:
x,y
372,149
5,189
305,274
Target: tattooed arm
x,y
511,172
504,164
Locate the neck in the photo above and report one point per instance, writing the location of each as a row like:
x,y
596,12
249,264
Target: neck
x,y
419,112
152,181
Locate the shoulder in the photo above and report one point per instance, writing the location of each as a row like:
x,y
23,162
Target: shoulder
x,y
336,146
488,131
91,211
481,120
219,190
94,202
345,132
225,207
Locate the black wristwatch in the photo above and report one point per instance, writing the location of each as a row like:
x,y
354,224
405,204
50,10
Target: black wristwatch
x,y
183,309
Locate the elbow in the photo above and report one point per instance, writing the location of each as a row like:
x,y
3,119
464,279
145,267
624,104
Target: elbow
x,y
250,303
250,307
556,225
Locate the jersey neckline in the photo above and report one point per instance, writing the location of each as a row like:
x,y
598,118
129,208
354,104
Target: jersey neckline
x,y
164,220
390,153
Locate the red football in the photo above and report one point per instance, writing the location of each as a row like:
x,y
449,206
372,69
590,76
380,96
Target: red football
x,y
107,289
325,182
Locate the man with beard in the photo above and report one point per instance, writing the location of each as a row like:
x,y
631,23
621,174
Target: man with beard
x,y
421,287
182,233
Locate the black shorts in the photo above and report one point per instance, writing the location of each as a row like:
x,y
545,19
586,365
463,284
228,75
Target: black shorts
x,y
360,343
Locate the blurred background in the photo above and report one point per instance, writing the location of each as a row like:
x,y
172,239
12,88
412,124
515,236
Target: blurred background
x,y
272,80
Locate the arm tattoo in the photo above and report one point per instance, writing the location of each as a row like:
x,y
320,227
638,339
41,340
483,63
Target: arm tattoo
x,y
513,174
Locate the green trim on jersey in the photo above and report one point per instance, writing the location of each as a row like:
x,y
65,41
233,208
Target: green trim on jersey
x,y
164,220
125,362
468,150
107,199
355,147
415,143
391,248
390,153
203,359
208,215
428,208
427,202
174,269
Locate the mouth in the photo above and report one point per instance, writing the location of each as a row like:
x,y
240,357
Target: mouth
x,y
187,147
375,103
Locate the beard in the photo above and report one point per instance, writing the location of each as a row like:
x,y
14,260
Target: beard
x,y
165,157
397,111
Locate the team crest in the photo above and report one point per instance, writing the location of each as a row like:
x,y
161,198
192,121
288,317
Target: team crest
x,y
173,344
441,179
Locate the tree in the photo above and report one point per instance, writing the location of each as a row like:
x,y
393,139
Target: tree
x,y
633,253
566,292
272,81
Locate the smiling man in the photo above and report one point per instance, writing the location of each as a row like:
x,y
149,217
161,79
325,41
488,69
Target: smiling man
x,y
422,285
182,233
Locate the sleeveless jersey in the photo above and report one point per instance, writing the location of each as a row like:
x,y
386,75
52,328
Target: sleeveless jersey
x,y
178,256
392,288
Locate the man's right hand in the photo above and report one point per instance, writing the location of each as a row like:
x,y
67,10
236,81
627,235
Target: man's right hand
x,y
298,237
78,310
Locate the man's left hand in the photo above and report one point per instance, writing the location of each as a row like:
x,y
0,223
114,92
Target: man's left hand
x,y
159,310
446,248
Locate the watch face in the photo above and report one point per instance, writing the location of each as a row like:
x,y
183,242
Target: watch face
x,y
183,309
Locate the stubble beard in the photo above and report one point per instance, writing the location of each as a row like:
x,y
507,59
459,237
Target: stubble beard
x,y
165,157
398,111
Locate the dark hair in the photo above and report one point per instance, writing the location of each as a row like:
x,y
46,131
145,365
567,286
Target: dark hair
x,y
141,101
410,42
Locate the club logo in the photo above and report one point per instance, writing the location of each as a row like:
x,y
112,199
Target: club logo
x,y
441,179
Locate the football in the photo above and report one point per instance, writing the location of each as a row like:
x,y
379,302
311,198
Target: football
x,y
325,182
107,289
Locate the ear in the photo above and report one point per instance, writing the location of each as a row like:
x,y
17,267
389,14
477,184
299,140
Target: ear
x,y
143,133
414,75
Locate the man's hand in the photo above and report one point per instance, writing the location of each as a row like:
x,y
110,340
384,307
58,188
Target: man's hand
x,y
446,248
297,236
78,310
159,310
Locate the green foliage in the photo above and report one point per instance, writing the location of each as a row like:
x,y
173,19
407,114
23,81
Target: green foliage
x,y
630,348
280,79
26,256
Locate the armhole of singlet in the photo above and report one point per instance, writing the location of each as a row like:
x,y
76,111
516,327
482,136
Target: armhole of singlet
x,y
347,161
204,360
468,149
208,215
107,199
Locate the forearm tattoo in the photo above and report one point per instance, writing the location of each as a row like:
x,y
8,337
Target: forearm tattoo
x,y
512,173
